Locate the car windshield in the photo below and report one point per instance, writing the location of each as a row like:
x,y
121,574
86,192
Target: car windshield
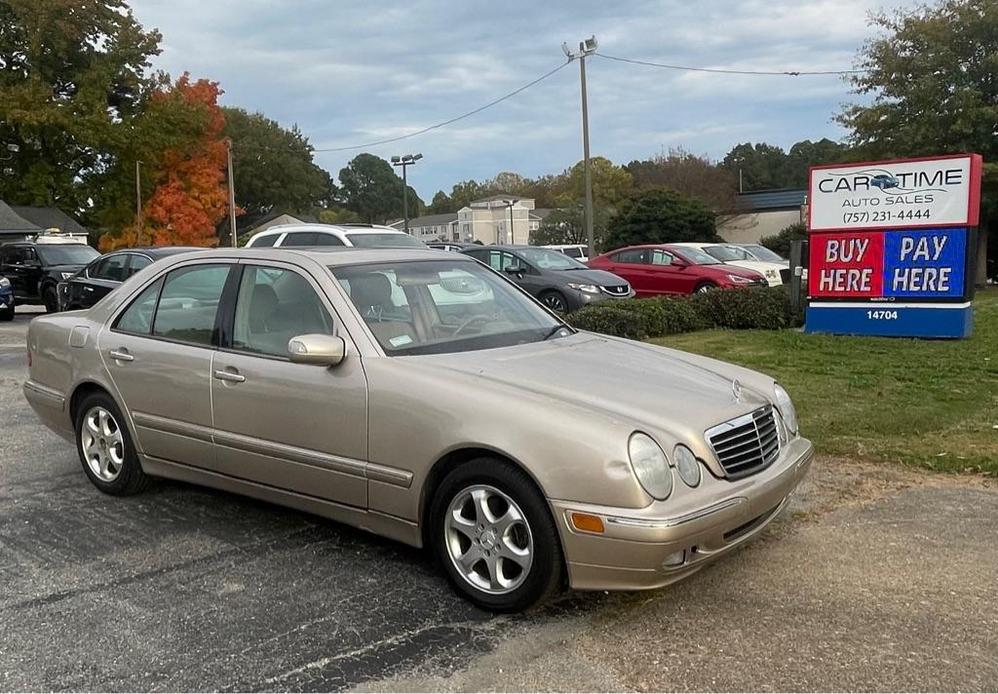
x,y
386,240
546,259
727,253
66,254
763,253
443,306
695,256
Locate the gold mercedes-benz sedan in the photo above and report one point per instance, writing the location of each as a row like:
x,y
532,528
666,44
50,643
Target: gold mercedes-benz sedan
x,y
422,396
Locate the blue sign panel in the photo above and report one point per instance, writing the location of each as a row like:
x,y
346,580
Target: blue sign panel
x,y
891,319
925,263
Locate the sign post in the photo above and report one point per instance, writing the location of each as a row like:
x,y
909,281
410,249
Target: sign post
x,y
892,247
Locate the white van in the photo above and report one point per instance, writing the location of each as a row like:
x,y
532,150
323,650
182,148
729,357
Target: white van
x,y
356,235
572,250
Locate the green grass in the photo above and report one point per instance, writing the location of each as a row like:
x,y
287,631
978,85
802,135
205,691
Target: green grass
x,y
930,403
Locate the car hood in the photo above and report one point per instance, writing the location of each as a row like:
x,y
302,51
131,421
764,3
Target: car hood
x,y
68,267
601,278
757,265
641,384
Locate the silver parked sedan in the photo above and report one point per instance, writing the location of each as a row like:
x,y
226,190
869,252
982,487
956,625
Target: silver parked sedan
x,y
424,397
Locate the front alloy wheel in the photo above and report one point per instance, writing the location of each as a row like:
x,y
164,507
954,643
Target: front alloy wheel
x,y
488,539
492,532
555,301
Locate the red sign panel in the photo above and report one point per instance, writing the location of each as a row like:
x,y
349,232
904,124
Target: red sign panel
x,y
846,265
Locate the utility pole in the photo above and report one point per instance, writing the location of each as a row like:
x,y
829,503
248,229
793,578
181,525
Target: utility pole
x,y
232,193
138,202
586,48
511,238
405,161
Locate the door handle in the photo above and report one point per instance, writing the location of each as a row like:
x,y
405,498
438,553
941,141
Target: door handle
x,y
121,355
230,376
88,289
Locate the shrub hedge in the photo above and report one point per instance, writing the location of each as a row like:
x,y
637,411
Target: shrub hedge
x,y
764,308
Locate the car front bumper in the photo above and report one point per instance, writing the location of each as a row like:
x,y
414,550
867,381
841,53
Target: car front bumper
x,y
580,299
632,552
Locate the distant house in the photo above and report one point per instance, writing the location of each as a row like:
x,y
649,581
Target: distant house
x,y
430,227
247,225
486,220
760,213
20,221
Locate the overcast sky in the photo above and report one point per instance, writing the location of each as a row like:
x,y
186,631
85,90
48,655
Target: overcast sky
x,y
349,73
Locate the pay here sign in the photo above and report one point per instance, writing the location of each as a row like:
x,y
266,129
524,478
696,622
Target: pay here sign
x,y
932,192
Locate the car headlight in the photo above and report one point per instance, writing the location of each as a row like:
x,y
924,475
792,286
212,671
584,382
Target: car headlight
x,y
66,275
587,288
738,279
650,465
786,408
4,282
687,465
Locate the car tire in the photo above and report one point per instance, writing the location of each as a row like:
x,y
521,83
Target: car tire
x,y
704,287
105,447
555,301
51,299
515,557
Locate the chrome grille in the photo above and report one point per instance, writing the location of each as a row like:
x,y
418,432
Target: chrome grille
x,y
746,444
617,289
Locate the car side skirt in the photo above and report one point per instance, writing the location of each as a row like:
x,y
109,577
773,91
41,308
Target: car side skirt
x,y
382,524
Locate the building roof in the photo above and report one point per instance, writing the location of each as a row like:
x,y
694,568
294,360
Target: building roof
x,y
430,220
49,218
541,212
13,223
774,199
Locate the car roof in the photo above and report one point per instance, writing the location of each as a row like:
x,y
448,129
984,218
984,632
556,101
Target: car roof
x,y
159,251
328,229
334,256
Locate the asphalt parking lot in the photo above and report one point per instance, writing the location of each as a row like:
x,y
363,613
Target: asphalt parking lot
x,y
876,578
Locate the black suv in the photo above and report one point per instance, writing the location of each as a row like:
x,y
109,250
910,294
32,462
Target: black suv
x,y
34,269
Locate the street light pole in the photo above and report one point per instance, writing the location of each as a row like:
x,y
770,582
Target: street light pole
x,y
586,48
405,161
138,202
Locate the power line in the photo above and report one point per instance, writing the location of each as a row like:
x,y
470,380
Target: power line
x,y
787,73
446,122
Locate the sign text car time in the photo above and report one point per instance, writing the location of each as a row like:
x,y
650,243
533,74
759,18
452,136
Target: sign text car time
x,y
912,193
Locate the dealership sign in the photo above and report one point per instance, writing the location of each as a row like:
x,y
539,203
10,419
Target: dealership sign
x,y
891,247
944,191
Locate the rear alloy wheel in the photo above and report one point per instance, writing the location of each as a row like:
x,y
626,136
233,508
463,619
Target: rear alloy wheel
x,y
494,536
555,301
105,447
50,299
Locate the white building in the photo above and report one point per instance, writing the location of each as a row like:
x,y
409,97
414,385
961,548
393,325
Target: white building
x,y
487,220
762,213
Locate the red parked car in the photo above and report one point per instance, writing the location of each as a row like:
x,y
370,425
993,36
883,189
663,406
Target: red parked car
x,y
667,269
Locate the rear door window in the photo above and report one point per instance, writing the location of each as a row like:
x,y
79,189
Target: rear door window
x,y
189,302
633,257
265,241
323,239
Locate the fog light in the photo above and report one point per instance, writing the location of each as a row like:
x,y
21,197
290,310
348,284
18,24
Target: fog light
x,y
587,522
675,559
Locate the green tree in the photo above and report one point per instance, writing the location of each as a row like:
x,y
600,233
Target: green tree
x,y
659,215
610,183
440,204
273,166
757,166
929,87
780,241
805,154
71,76
371,189
338,215
463,193
566,226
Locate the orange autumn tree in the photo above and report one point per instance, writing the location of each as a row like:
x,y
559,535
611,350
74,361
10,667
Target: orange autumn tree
x,y
185,153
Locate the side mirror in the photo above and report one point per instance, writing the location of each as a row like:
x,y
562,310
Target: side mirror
x,y
679,262
515,269
318,349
